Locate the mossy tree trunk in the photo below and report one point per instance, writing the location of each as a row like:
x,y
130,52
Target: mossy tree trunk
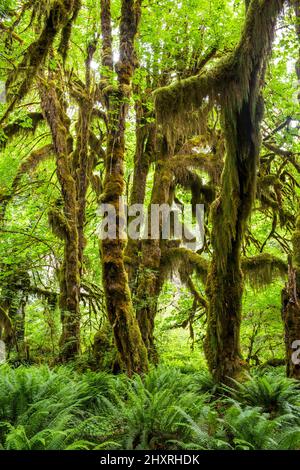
x,y
225,281
120,310
291,293
65,224
81,159
230,213
290,300
144,154
235,85
150,281
14,297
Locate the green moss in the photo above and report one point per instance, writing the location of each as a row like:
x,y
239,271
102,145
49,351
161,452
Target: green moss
x,y
58,223
6,327
35,55
261,270
184,259
296,244
181,108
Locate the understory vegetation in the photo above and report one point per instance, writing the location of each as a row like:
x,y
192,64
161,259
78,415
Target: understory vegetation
x,y
170,408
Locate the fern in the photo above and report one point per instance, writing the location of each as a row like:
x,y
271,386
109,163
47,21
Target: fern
x,y
275,395
250,429
43,409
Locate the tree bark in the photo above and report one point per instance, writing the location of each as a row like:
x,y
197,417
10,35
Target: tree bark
x,y
120,310
290,297
290,300
65,224
144,152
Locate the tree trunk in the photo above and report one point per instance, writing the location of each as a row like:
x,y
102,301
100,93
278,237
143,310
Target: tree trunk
x,y
145,143
150,282
222,342
120,310
290,299
65,224
13,302
291,293
229,214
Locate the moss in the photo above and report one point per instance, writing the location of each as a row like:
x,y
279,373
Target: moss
x,y
261,270
17,128
112,189
6,327
65,223
184,259
296,243
58,223
181,165
227,83
67,30
242,111
128,339
23,76
222,342
104,349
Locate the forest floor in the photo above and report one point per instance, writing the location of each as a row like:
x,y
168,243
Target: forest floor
x,y
169,408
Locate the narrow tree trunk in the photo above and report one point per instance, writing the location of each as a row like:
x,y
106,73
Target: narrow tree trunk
x,y
145,142
150,282
148,290
81,158
13,301
120,310
65,223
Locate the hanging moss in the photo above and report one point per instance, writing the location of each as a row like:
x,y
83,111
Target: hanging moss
x,y
262,269
20,80
227,83
235,85
58,223
291,293
67,31
210,164
296,244
6,327
17,127
185,260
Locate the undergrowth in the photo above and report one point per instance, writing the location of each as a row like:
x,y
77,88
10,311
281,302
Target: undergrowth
x,y
55,409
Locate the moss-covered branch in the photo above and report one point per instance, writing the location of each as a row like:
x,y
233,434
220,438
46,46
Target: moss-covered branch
x,y
20,80
181,258
262,269
20,127
227,82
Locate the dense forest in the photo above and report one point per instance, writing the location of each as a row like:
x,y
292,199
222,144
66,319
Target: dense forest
x,y
157,341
